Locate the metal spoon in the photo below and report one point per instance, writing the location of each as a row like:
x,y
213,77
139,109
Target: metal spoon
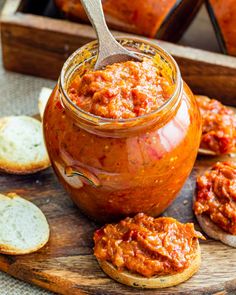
x,y
109,51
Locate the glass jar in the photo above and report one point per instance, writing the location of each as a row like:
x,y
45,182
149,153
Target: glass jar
x,y
223,16
162,19
114,168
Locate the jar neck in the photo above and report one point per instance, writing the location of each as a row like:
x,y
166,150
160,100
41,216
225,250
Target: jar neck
x,y
122,127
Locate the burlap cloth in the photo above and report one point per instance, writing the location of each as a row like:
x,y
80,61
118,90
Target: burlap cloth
x,y
19,94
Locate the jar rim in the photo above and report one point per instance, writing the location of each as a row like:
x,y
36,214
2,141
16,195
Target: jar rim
x,y
92,118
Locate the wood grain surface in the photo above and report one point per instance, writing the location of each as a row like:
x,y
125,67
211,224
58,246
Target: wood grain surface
x,y
66,264
39,45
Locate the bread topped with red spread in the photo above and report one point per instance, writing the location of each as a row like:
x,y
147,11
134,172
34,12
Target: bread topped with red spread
x,y
148,252
218,127
215,202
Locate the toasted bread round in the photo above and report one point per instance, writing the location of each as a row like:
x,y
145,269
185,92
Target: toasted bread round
x,y
164,281
214,231
43,99
22,149
23,226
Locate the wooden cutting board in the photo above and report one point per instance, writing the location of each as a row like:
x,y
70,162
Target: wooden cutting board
x,y
66,264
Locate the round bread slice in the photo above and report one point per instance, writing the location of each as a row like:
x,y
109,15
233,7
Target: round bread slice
x,y
214,231
22,149
164,281
43,99
23,226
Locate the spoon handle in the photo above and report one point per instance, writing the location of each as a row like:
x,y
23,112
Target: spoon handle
x,y
107,42
95,14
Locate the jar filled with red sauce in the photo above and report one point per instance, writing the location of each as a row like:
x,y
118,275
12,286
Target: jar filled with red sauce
x,y
116,167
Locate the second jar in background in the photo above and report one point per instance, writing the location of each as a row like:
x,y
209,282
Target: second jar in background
x,y
163,19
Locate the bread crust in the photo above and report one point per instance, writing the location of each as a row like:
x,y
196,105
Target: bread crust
x,y
8,166
164,281
206,152
13,168
213,230
6,249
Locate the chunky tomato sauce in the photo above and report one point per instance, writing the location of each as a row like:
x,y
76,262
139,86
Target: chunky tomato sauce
x,y
219,126
216,195
122,90
225,13
147,246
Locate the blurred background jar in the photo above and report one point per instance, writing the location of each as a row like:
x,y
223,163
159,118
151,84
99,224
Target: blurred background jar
x,y
223,16
163,19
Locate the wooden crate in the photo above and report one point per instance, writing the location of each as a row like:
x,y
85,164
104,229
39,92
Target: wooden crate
x,y
39,45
